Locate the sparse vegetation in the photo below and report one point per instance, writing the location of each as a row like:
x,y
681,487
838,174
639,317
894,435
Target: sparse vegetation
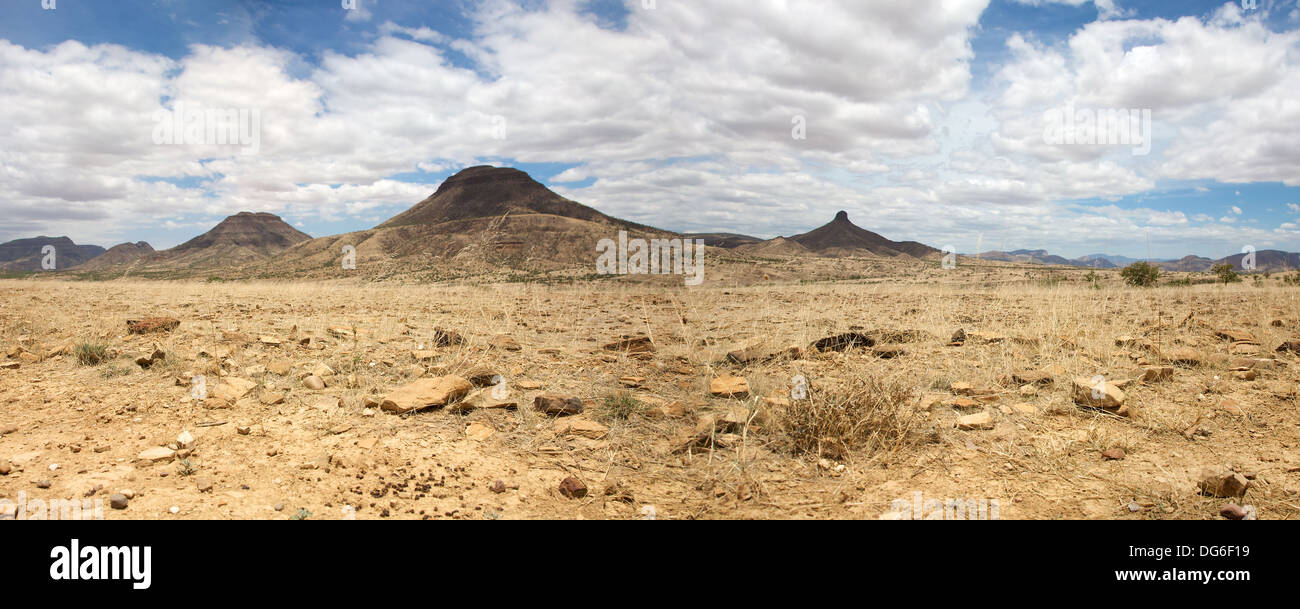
x,y
1225,273
90,354
622,405
872,414
1141,274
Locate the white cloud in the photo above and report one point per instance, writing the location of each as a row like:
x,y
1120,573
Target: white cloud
x,y
682,120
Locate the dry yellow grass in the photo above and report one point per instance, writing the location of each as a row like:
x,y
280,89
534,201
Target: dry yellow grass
x,y
1040,464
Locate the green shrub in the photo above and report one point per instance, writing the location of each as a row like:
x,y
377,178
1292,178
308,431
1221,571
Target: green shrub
x,y
1141,274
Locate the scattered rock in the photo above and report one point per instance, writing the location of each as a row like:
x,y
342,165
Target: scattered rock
x,y
482,399
979,420
497,487
481,375
1103,395
964,403
313,382
426,393
5,467
632,344
1024,408
44,484
506,342
844,342
1184,356
280,367
1032,377
147,361
888,351
1113,454
1232,511
117,501
232,388
958,338
576,426
1154,374
553,405
1222,482
156,454
729,386
152,324
443,338
573,488
204,484
271,398
478,431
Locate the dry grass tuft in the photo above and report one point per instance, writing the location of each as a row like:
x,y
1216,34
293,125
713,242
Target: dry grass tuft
x,y
872,414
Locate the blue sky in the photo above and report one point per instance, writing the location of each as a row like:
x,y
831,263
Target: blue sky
x,y
923,118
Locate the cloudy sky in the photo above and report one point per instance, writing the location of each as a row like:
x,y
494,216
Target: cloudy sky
x,y
932,120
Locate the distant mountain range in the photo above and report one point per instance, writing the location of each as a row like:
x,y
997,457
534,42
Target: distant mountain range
x,y
1265,260
26,254
488,215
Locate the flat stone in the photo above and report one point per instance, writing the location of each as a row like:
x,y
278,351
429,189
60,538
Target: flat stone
x,y
979,420
729,386
156,454
426,393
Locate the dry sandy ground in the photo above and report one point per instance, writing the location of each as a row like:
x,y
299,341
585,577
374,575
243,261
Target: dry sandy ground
x,y
324,452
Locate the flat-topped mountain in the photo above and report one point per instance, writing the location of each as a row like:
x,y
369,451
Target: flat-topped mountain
x,y
25,254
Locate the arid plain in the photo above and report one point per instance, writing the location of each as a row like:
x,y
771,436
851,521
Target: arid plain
x,y
766,396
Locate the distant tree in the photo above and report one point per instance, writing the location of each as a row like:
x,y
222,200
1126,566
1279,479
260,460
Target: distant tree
x,y
1141,274
1226,273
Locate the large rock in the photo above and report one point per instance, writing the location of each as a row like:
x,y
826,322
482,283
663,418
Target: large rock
x,y
233,388
554,405
426,393
1222,482
1104,395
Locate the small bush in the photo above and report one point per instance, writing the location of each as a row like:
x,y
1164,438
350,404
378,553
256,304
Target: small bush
x,y
1225,273
1141,274
872,414
620,405
91,354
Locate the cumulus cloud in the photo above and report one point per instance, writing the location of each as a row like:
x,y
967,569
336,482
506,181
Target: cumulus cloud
x,y
690,117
